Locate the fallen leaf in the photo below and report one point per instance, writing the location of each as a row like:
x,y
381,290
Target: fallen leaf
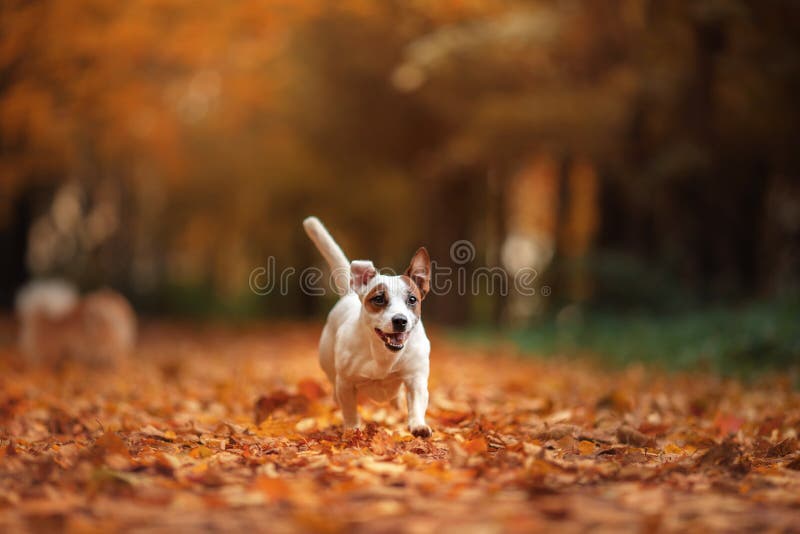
x,y
382,468
559,431
783,448
728,455
727,424
267,404
631,436
794,464
273,488
451,418
310,389
671,448
586,447
477,445
617,400
201,452
142,450
111,443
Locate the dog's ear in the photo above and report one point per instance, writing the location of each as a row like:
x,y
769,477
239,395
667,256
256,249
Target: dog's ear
x,y
420,270
361,272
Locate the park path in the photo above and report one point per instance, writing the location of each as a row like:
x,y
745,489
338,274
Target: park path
x,y
212,427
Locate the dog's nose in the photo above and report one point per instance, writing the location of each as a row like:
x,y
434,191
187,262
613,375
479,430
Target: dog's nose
x,y
399,322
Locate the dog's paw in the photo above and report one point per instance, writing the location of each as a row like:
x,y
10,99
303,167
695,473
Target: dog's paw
x,y
350,429
421,431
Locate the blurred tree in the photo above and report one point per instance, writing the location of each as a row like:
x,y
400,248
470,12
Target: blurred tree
x,y
162,102
199,134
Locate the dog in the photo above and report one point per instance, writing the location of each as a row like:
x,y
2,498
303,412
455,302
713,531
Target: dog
x,y
373,342
58,325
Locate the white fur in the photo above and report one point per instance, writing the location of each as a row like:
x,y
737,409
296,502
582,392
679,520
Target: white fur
x,y
332,253
355,358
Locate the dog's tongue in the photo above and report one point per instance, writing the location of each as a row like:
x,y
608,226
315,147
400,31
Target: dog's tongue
x,y
398,337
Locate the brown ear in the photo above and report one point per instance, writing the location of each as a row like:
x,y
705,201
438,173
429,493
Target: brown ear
x,y
420,271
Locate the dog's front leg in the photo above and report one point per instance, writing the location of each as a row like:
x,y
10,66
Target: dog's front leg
x,y
346,396
417,397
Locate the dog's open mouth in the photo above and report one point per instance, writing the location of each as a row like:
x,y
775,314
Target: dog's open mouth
x,y
393,340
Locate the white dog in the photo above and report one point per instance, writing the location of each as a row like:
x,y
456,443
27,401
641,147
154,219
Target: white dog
x,y
374,342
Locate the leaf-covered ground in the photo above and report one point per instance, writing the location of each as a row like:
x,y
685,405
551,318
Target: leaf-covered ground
x,y
215,428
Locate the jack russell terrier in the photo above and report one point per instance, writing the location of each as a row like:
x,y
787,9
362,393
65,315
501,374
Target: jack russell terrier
x,y
373,341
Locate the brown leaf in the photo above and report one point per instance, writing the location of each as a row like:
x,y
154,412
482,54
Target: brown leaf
x,y
770,424
310,389
794,464
630,436
727,455
111,443
616,400
783,448
186,452
267,404
557,432
654,429
166,463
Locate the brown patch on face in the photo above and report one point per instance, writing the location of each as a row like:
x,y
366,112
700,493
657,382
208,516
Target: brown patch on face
x,y
374,307
420,271
417,307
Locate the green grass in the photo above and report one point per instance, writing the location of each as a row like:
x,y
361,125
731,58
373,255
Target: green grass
x,y
763,336
200,301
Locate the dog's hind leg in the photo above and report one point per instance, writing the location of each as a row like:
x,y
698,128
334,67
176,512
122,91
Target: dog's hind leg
x,y
397,401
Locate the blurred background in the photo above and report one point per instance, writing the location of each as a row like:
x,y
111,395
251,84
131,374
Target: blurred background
x,y
642,156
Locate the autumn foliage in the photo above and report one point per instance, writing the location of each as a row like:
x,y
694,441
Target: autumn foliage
x,y
201,133
236,428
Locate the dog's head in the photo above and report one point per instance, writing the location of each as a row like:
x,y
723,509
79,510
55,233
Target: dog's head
x,y
392,305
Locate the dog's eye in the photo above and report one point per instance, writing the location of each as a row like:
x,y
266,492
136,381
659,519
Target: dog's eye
x,y
412,300
378,299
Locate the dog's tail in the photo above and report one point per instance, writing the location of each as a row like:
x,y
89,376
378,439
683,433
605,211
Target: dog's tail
x,y
340,265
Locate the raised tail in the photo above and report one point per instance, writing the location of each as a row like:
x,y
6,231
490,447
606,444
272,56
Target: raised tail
x,y
340,265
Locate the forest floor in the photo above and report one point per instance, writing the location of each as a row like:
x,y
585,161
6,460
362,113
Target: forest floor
x,y
219,428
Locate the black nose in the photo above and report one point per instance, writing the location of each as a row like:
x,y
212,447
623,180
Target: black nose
x,y
399,322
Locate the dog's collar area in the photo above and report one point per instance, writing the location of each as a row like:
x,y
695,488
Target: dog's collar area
x,y
394,341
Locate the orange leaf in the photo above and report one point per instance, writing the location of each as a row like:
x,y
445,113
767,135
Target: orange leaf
x,y
727,424
671,448
274,488
201,452
111,443
449,417
476,446
310,389
586,447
